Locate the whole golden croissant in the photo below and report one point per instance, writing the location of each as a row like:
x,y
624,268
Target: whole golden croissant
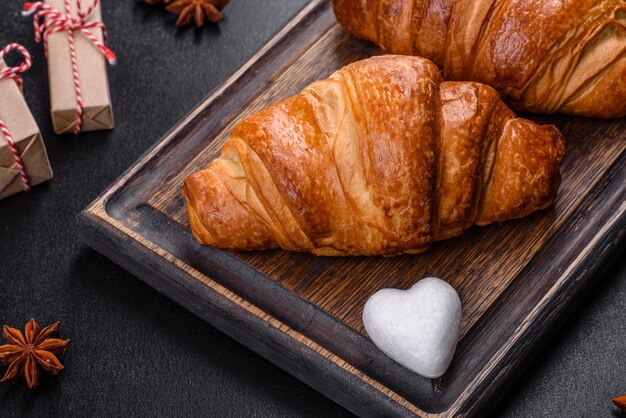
x,y
565,56
382,158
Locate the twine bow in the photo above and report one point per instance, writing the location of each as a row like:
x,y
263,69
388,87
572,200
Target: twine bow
x,y
48,20
13,73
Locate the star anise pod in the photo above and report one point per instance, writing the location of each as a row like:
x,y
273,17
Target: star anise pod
x,y
24,355
197,10
620,402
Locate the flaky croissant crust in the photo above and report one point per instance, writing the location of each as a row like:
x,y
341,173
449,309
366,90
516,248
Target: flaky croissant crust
x,y
382,158
548,56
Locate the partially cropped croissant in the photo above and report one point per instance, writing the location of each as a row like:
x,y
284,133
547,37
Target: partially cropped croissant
x,y
565,56
382,158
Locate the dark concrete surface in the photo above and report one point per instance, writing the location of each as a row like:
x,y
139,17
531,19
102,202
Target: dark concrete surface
x,y
136,353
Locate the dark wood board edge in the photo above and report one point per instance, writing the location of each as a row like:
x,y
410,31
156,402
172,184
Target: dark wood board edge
x,y
290,308
274,345
555,318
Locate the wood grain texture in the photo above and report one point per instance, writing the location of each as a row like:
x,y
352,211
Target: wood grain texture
x,y
516,280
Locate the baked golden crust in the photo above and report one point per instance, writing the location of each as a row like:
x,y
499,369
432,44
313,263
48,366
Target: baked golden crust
x,y
544,56
382,158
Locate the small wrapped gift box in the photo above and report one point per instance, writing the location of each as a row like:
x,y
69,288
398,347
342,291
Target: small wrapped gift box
x,y
74,40
23,158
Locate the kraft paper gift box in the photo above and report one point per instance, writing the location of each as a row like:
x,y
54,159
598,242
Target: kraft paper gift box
x,y
16,115
92,71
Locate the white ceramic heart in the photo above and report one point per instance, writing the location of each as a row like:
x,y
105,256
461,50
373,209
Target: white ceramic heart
x,y
419,327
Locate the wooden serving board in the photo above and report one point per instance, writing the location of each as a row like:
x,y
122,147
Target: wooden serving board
x,y
517,280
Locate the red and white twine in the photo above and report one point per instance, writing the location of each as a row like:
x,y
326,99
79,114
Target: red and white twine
x,y
49,20
14,74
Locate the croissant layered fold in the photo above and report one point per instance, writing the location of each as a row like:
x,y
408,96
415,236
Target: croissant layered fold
x,y
382,158
566,56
